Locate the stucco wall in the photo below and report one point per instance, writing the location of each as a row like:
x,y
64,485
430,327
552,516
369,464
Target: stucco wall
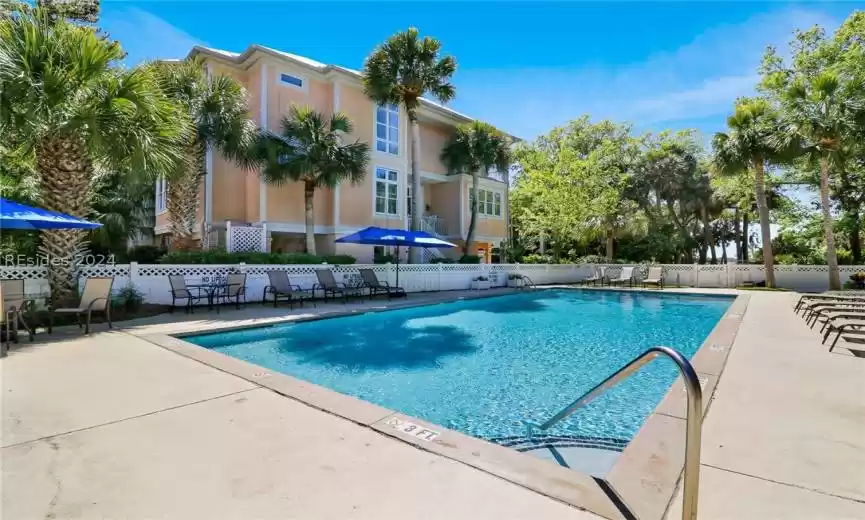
x,y
432,140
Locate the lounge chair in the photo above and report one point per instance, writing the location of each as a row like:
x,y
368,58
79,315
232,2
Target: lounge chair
x,y
596,277
11,304
179,291
280,287
235,289
329,286
823,310
848,328
95,298
371,282
654,277
812,299
627,275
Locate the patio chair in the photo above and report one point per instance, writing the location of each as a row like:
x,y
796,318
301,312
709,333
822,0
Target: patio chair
x,y
280,287
329,286
596,277
807,300
235,289
819,312
371,282
849,328
627,275
654,277
11,303
179,291
96,297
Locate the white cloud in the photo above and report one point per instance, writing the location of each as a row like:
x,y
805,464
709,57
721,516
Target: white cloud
x,y
145,36
698,81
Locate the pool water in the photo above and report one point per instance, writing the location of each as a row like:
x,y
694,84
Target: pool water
x,y
484,366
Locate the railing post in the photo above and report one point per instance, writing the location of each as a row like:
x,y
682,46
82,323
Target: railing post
x,y
229,243
696,269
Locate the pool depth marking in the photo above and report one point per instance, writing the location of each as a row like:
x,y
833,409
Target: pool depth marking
x,y
410,428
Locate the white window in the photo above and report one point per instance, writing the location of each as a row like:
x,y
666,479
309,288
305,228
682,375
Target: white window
x,y
291,81
387,129
161,194
489,203
386,189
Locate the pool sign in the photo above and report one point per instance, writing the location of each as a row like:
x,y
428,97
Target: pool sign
x,y
410,428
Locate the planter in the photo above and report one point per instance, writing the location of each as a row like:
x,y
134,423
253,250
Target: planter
x,y
516,282
478,285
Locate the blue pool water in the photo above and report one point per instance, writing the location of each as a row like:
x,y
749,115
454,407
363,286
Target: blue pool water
x,y
483,366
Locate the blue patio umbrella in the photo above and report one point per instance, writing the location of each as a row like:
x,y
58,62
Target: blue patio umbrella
x,y
376,236
19,216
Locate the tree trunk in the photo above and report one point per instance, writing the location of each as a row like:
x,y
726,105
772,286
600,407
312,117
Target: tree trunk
x,y
828,226
723,251
308,194
765,235
416,194
470,235
737,234
610,245
182,203
707,232
745,226
855,236
65,171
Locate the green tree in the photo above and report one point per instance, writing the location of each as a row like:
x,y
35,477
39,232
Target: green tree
x,y
217,107
309,150
475,148
821,93
65,100
749,144
401,71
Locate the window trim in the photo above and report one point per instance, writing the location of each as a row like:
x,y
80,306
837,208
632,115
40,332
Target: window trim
x,y
304,81
482,207
161,194
396,183
375,136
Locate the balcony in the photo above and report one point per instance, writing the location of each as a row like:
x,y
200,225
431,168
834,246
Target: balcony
x,y
432,224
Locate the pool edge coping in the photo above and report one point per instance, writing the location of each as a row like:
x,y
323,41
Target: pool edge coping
x,y
649,499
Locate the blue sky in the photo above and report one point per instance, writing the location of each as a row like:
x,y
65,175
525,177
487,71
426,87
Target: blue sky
x,y
524,67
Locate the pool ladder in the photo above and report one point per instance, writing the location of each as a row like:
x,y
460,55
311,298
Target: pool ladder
x,y
693,424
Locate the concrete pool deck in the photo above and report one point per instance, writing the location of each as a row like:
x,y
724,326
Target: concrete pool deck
x,y
112,426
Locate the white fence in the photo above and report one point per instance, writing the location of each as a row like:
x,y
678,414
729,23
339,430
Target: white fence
x,y
152,279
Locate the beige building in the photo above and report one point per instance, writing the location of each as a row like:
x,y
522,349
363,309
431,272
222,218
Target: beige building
x,y
276,80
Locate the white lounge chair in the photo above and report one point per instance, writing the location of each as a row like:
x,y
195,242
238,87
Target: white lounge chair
x,y
627,275
654,277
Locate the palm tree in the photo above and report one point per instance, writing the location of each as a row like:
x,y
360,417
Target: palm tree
x,y
401,71
65,100
749,144
475,148
308,150
218,110
820,115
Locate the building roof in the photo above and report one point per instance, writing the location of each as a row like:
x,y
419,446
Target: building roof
x,y
319,67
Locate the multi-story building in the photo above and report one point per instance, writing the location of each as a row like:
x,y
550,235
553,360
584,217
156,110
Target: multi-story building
x,y
275,81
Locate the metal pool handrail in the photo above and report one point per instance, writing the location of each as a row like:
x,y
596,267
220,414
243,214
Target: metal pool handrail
x,y
693,424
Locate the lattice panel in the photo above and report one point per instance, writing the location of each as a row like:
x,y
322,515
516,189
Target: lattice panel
x,y
104,270
147,270
246,238
16,272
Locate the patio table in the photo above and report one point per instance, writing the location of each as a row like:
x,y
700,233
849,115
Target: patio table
x,y
211,289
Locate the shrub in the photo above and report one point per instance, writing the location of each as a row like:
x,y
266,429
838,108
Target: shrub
x,y
128,298
442,260
252,257
539,259
145,254
470,259
383,259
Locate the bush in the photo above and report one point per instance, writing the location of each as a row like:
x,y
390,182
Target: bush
x,y
442,260
145,254
252,257
128,298
539,259
470,259
383,259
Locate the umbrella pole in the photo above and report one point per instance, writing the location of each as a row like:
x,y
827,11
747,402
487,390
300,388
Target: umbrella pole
x,y
397,266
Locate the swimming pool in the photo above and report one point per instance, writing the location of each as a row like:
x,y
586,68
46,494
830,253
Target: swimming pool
x,y
483,366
